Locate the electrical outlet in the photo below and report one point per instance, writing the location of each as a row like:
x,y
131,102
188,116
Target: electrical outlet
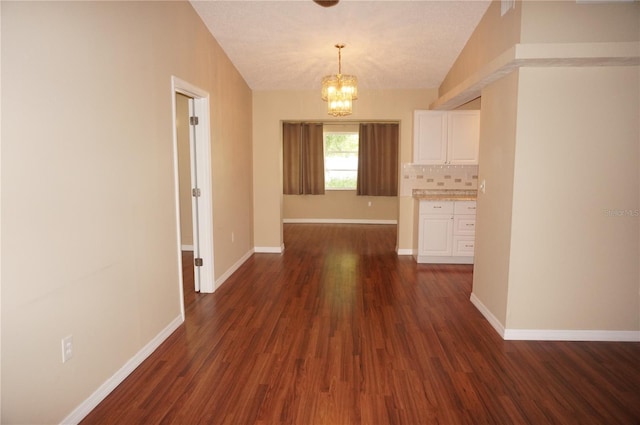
x,y
67,348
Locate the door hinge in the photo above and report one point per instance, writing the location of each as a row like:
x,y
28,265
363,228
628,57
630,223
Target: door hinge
x,y
195,192
193,120
197,262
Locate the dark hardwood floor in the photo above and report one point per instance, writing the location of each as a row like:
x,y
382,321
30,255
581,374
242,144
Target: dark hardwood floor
x,y
340,330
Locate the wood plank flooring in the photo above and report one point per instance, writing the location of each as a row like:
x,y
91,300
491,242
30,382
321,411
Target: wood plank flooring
x,y
340,330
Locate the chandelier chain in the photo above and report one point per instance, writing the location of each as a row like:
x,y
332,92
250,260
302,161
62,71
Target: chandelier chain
x,y
339,46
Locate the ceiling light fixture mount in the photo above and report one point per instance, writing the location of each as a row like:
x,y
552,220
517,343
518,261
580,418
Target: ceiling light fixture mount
x,y
326,3
339,91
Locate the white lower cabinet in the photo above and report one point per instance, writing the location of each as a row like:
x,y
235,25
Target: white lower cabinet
x,y
435,235
446,232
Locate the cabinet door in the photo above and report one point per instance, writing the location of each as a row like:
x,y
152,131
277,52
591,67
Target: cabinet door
x,y
429,137
436,237
463,137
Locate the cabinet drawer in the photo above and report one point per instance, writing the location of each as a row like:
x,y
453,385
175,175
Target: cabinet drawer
x,y
465,207
463,246
436,207
464,224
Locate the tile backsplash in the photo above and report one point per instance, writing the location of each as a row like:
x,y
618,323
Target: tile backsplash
x,y
422,176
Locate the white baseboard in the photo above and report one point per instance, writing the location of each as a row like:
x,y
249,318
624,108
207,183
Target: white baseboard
x,y
187,247
405,251
553,334
105,389
493,321
232,269
337,221
571,335
433,259
269,249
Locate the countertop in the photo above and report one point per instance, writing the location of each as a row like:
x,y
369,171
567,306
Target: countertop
x,y
445,194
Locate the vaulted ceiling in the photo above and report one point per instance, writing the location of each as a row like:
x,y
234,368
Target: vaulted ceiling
x,y
289,44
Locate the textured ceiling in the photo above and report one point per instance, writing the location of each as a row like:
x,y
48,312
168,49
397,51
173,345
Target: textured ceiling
x,y
289,44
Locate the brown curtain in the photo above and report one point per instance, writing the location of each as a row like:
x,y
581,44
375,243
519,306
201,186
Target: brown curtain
x,y
378,159
302,159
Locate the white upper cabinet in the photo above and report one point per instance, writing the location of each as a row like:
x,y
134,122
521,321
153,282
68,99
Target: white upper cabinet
x,y
429,137
446,137
463,137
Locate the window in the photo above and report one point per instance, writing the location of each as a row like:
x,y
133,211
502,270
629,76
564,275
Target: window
x,y
340,160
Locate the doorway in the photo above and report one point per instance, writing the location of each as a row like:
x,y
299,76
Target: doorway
x,y
340,203
192,167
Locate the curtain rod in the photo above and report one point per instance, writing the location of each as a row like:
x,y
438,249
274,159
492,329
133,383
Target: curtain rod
x,y
343,122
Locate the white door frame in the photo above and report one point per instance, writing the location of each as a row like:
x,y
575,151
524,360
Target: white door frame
x,y
203,167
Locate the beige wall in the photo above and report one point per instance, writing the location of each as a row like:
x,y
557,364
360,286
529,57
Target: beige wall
x,y
89,227
494,207
271,108
346,206
473,105
493,35
337,205
546,22
564,141
0,220
184,169
340,205
573,266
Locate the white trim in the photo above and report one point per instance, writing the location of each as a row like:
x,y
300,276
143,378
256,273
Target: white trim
x,y
187,247
405,251
110,384
269,249
570,335
493,321
437,259
338,221
194,164
205,201
176,184
553,334
232,269
205,206
506,5
603,1
520,55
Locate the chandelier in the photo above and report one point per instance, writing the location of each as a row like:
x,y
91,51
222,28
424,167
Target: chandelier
x,y
339,91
